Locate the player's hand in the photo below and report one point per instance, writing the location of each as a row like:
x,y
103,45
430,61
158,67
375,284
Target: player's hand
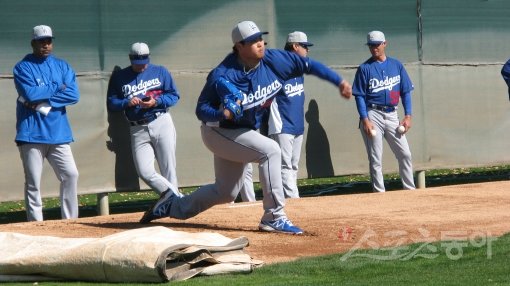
x,y
406,122
228,114
367,127
345,89
134,101
147,102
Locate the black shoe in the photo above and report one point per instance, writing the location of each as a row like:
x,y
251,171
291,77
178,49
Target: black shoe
x,y
160,209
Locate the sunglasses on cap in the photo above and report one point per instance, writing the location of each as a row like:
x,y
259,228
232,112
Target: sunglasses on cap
x,y
303,46
138,57
44,40
375,45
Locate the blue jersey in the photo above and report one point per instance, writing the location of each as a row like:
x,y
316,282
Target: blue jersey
x,y
155,82
287,111
50,80
259,85
382,83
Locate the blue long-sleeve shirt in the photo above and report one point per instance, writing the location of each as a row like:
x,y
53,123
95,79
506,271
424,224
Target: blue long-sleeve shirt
x,y
382,84
287,111
155,81
259,85
505,72
50,80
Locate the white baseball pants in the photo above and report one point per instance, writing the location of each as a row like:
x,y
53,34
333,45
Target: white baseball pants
x,y
61,160
156,141
291,151
386,125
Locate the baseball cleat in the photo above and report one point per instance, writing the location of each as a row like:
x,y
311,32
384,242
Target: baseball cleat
x,y
283,225
160,209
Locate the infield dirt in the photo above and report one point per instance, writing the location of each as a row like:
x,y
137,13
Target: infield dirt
x,y
332,224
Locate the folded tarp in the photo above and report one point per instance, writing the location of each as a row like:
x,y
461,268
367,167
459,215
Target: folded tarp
x,y
151,254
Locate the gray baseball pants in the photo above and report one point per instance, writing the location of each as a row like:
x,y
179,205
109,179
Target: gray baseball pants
x,y
61,159
291,151
386,124
233,149
247,192
156,141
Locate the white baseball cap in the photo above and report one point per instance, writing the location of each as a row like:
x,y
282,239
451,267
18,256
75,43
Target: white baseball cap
x,y
298,37
41,32
139,54
246,31
375,38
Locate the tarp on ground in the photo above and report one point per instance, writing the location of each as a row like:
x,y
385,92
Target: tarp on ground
x,y
151,254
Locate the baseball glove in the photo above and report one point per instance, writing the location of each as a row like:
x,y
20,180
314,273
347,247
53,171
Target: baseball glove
x,y
230,95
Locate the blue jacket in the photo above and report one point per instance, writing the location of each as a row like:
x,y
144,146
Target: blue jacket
x,y
259,85
155,81
382,84
49,80
505,72
287,111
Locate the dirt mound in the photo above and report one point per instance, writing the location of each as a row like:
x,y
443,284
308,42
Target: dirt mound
x,y
332,224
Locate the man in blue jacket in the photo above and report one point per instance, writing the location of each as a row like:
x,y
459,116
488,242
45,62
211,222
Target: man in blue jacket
x,y
46,85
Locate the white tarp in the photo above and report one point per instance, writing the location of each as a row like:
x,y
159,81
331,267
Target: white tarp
x,y
152,254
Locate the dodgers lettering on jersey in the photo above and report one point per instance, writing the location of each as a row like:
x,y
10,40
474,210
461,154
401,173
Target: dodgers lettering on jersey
x,y
286,114
259,85
294,89
261,95
141,88
376,85
382,84
155,81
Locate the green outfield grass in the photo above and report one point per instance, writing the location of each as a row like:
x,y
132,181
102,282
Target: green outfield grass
x,y
480,261
127,202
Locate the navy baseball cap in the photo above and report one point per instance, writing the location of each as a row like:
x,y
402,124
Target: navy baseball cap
x,y
139,54
246,31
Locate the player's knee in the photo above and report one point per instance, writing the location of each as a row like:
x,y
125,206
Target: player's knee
x,y
145,175
70,174
273,149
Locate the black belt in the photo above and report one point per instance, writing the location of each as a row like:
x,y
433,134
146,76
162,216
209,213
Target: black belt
x,y
383,108
146,120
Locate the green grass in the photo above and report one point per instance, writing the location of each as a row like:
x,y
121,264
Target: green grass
x,y
362,267
479,263
127,202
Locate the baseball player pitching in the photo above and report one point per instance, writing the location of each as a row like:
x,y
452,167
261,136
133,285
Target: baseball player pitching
x,y
145,92
230,106
379,84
